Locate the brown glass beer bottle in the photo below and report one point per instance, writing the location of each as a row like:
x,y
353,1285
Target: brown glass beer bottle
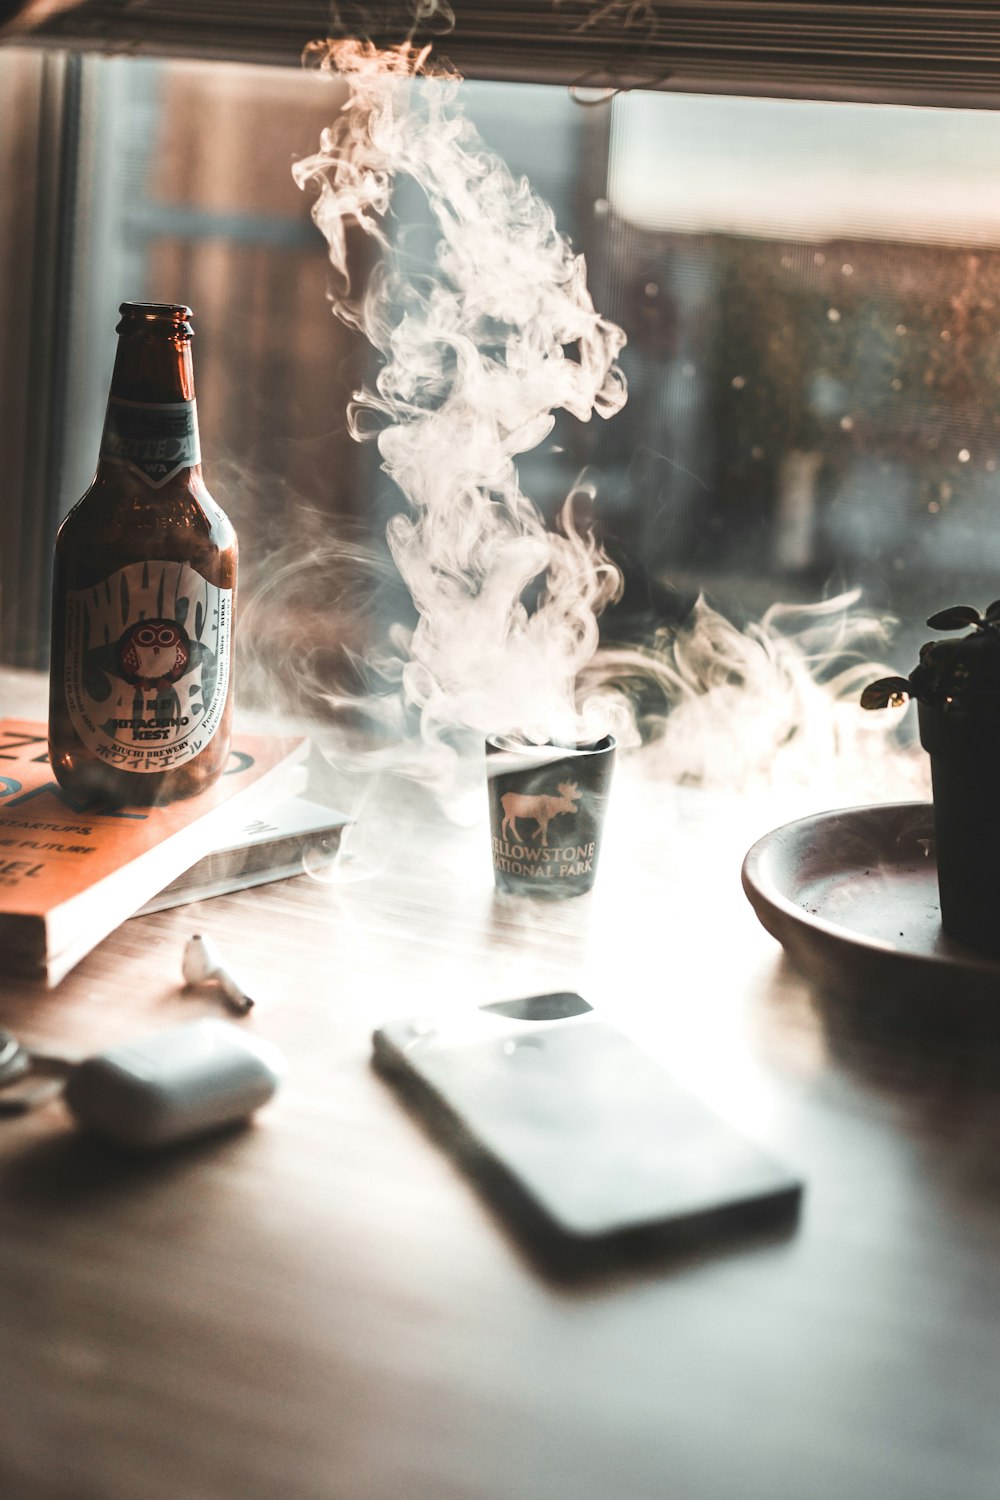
x,y
144,589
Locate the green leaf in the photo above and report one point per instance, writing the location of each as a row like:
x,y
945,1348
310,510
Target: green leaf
x,y
955,618
894,690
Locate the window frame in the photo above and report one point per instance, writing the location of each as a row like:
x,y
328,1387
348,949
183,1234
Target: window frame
x,y
895,51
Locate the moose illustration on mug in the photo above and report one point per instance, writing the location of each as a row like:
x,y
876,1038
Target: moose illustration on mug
x,y
543,809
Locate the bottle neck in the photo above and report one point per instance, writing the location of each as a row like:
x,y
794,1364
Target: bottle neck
x,y
151,426
153,363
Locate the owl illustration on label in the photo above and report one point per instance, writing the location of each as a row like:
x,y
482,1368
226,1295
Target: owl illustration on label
x,y
147,664
154,653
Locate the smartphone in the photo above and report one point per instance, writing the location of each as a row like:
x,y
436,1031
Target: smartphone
x,y
588,1145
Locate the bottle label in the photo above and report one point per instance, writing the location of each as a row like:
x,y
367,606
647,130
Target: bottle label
x,y
147,664
154,440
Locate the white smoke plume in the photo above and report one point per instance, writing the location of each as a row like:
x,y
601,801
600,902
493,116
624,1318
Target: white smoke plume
x,y
478,356
774,705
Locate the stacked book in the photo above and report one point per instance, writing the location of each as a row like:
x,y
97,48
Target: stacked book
x,y
69,875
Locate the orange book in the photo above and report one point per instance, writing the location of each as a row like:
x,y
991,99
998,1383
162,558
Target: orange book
x,y
70,874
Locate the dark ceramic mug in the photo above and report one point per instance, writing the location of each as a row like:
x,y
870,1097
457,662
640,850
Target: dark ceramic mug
x,y
547,818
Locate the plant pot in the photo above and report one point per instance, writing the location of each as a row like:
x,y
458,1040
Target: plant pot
x,y
965,776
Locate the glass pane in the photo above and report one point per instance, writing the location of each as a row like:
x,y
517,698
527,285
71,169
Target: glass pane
x,y
809,293
193,201
813,292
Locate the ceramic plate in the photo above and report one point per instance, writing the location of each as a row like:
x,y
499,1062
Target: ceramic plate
x,y
852,897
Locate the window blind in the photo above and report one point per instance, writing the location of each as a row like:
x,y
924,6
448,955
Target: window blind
x,y
898,51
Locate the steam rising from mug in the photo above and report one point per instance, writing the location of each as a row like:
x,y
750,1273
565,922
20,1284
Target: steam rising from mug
x,y
479,353
480,348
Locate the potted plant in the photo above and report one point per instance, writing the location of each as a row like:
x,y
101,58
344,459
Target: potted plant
x,y
956,684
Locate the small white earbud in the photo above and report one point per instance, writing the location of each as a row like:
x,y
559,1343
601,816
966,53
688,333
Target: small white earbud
x,y
202,964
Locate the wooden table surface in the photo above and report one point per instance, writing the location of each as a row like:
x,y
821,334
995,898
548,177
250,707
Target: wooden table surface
x,y
321,1307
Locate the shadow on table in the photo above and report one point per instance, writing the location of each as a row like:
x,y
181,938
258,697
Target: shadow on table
x,y
933,1068
71,1170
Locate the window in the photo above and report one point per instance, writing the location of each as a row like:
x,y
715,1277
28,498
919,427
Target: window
x,y
810,292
